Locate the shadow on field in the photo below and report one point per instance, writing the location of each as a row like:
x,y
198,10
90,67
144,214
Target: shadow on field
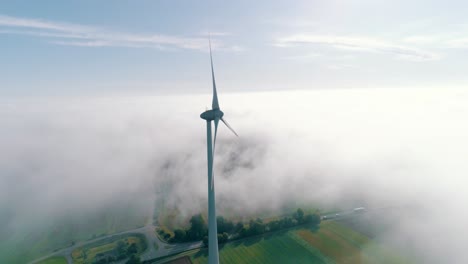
x,y
246,241
313,228
202,253
252,240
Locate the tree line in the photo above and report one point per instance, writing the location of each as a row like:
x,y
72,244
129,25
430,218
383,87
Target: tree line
x,y
227,230
121,252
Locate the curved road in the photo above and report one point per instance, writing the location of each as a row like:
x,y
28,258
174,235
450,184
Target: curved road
x,y
148,231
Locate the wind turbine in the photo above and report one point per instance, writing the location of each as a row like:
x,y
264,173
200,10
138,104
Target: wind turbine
x,y
215,114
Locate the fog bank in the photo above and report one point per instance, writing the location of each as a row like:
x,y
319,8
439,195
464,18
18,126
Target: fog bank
x,y
329,148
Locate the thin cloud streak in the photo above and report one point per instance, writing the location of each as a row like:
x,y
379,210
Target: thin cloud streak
x,y
94,43
215,33
422,39
305,57
41,24
90,36
362,44
454,40
460,43
44,34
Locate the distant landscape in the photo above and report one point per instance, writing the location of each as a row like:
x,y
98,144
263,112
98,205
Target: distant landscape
x,y
333,241
302,236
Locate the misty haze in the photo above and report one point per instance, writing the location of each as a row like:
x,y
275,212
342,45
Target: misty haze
x,y
66,161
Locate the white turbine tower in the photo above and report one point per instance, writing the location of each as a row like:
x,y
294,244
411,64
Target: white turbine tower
x,y
215,114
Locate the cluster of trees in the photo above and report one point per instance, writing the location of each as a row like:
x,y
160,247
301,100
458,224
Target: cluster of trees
x,y
164,235
198,229
301,218
257,227
222,238
227,229
121,252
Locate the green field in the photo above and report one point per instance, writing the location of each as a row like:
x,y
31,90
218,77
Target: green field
x,y
86,254
31,242
54,260
279,248
332,243
345,245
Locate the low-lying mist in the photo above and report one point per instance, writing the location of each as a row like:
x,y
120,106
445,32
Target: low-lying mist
x,y
61,157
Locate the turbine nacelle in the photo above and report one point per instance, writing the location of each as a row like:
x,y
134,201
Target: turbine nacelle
x,y
212,114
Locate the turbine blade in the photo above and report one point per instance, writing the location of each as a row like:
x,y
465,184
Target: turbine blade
x,y
226,123
215,104
216,121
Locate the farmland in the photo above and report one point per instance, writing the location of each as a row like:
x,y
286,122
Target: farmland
x,y
273,248
344,245
332,243
54,260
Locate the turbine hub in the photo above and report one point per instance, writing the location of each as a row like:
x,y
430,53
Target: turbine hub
x,y
212,114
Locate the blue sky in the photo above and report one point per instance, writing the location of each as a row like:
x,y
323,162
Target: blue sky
x,y
160,47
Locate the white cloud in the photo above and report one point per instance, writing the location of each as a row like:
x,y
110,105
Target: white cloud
x,y
304,57
73,156
93,43
448,40
215,33
41,24
340,66
90,36
45,34
460,43
362,44
292,22
420,39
